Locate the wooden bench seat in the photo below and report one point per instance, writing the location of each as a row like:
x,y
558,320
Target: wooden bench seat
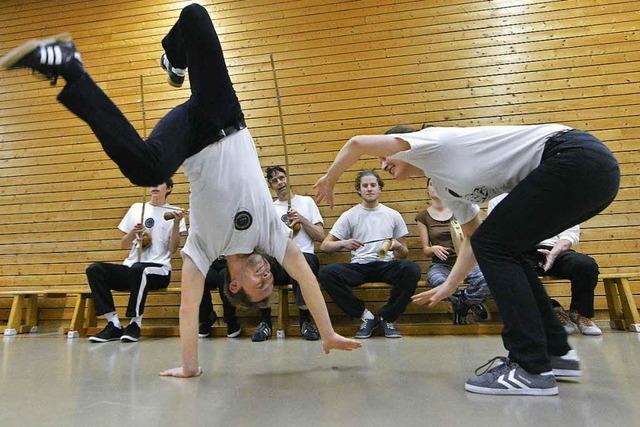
x,y
23,317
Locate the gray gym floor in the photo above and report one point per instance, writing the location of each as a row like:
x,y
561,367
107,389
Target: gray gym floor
x,y
47,380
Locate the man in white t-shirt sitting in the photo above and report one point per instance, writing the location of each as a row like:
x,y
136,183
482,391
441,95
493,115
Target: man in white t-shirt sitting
x,y
365,222
555,256
148,266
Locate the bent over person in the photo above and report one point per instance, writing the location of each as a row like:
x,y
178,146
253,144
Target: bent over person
x,y
539,166
229,214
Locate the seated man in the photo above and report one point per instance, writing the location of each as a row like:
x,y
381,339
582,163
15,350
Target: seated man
x,y
365,222
229,214
434,226
554,257
303,212
148,267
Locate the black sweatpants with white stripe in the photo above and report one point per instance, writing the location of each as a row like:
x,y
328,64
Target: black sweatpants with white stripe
x,y
140,278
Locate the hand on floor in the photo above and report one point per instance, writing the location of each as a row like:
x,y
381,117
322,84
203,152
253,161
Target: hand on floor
x,y
179,372
338,342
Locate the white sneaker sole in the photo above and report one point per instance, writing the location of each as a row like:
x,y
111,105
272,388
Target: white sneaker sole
x,y
566,373
512,392
16,54
128,338
235,334
96,339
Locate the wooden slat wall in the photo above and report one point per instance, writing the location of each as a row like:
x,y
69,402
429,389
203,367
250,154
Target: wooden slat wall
x,y
344,68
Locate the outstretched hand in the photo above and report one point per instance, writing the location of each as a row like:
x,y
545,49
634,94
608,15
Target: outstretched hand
x,y
435,295
179,372
338,342
324,190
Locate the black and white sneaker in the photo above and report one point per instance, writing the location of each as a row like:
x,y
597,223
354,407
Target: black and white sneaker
x,y
508,378
233,329
308,331
389,329
131,333
204,330
48,56
366,328
262,332
567,365
175,76
109,333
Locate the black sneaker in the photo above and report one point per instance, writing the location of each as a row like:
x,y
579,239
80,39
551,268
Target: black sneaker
x,y
175,76
48,56
109,333
204,330
308,331
481,312
262,332
366,328
389,329
233,329
131,333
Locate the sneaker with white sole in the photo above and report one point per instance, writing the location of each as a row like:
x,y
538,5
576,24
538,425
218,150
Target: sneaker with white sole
x,y
569,327
175,76
131,333
389,329
567,365
584,324
262,332
508,378
48,56
109,333
366,328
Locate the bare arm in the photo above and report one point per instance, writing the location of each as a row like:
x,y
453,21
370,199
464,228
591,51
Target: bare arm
x,y
465,262
127,238
174,242
299,270
190,296
356,147
332,244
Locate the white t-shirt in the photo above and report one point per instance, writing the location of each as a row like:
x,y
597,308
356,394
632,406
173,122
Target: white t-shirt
x,y
365,224
231,210
158,252
472,165
306,207
572,234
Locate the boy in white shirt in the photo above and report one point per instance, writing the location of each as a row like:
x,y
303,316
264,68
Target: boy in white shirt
x,y
146,268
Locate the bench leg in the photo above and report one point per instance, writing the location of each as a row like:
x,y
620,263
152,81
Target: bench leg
x,y
31,323
616,319
629,309
15,316
90,319
283,311
77,320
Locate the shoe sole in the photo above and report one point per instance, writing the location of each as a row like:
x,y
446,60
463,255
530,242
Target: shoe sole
x,y
171,82
128,338
234,334
204,335
512,392
566,373
96,339
16,54
393,336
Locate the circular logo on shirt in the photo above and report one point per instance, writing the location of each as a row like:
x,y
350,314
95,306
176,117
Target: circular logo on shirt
x,y
285,218
242,220
149,222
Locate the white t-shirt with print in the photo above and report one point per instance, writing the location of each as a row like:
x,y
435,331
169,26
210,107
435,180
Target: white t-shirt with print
x,y
306,207
230,206
473,164
365,224
159,251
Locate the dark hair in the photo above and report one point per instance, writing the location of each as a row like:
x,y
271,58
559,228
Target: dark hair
x,y
169,184
272,170
400,129
367,172
406,129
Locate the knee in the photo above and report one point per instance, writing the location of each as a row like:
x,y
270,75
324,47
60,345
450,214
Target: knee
x,y
588,269
411,271
193,13
92,271
327,277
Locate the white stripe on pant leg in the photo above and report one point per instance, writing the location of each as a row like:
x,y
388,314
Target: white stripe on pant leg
x,y
159,271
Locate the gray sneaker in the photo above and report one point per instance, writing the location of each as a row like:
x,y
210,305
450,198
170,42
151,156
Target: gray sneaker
x,y
567,365
389,329
366,328
508,378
